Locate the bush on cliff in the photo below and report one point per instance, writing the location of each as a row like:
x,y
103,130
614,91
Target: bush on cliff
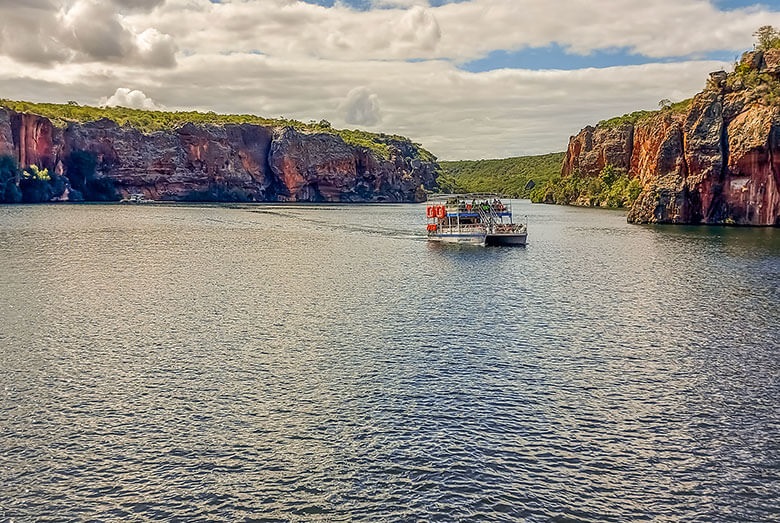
x,y
36,185
767,37
31,185
80,167
612,188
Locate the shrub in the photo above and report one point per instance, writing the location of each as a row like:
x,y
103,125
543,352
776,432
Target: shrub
x,y
612,188
9,177
514,177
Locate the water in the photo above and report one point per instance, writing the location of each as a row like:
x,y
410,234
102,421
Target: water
x,y
326,363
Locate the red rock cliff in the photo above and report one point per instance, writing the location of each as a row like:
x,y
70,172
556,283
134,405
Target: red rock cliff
x,y
718,161
243,162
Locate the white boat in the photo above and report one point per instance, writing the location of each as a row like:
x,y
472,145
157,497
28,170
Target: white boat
x,y
482,222
135,198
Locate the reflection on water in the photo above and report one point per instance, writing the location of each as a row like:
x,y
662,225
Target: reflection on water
x,y
325,363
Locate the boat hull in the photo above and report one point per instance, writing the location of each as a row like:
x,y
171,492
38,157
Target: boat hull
x,y
506,239
462,238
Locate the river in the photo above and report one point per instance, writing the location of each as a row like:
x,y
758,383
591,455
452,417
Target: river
x,y
326,363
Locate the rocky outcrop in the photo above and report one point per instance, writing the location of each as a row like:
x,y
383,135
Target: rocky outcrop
x,y
323,168
717,161
596,147
230,162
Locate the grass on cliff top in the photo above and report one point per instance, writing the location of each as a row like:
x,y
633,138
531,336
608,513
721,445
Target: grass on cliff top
x,y
638,116
508,176
153,121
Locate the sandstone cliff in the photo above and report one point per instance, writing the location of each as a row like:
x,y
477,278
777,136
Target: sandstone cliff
x,y
101,159
713,160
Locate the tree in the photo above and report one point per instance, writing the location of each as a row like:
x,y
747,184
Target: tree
x,y
9,174
37,185
79,168
609,174
665,103
33,172
767,38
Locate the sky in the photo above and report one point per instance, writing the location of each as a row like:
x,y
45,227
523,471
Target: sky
x,y
467,79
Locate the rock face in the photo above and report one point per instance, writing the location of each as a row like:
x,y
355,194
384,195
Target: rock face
x,y
596,147
231,162
718,161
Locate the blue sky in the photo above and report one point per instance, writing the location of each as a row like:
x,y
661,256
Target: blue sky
x,y
468,79
554,56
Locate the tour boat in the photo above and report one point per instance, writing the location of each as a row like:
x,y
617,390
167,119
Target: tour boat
x,y
481,222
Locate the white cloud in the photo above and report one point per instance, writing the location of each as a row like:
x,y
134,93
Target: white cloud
x,y
94,29
137,5
296,59
155,49
131,98
460,31
361,107
46,32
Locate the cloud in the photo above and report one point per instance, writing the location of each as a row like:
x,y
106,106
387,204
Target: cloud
x,y
155,49
137,5
131,98
456,114
32,4
361,107
37,42
458,31
300,29
300,60
46,32
95,30
418,27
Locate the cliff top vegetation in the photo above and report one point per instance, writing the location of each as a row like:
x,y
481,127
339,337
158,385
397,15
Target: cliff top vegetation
x,y
767,37
757,70
757,73
637,116
147,121
508,176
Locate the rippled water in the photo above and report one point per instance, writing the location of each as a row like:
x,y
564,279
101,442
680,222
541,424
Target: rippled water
x,y
326,363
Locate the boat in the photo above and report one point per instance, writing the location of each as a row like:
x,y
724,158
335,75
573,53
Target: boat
x,y
481,222
135,198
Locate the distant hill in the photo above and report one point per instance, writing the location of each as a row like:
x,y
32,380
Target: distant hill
x,y
508,176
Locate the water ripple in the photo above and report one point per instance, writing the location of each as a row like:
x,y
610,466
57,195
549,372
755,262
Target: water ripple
x,y
320,363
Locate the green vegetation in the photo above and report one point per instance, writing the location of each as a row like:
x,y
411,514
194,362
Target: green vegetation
x,y
85,185
9,179
638,116
509,176
631,118
611,188
31,185
767,38
761,86
153,121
